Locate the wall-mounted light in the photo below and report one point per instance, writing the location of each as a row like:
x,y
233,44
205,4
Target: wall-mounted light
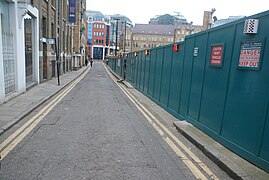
x,y
175,48
147,52
135,54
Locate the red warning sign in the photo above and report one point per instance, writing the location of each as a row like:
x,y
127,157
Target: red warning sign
x,y
250,54
216,56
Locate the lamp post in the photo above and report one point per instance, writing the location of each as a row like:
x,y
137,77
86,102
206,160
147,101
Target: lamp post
x,y
117,23
58,44
124,38
124,54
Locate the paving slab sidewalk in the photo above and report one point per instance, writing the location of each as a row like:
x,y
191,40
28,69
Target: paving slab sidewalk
x,y
15,109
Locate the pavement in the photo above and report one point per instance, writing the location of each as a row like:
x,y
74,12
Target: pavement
x,y
15,109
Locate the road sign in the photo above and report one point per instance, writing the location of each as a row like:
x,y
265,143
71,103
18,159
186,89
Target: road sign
x,y
50,41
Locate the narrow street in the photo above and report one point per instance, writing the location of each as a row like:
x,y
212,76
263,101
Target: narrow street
x,y
97,132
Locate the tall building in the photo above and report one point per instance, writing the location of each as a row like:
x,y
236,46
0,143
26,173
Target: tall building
x,y
79,35
118,23
98,35
28,30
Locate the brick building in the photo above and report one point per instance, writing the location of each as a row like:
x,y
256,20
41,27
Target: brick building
x,y
146,36
80,35
98,35
186,29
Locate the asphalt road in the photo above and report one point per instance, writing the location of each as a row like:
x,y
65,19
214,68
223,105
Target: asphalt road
x,y
94,133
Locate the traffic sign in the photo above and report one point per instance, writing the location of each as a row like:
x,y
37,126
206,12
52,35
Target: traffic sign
x,y
50,41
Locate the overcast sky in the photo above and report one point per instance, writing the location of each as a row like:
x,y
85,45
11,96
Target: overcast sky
x,y
140,11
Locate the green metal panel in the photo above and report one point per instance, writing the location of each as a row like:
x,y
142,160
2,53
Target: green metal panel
x,y
142,71
247,97
117,67
133,61
166,74
128,69
215,81
264,149
152,72
176,79
187,66
158,73
198,63
136,72
146,74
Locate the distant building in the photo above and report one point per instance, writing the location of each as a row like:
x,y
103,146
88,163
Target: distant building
x,y
168,19
126,43
146,36
186,29
98,35
121,20
225,21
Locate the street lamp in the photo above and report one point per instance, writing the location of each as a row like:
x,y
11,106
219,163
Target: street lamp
x,y
117,23
58,44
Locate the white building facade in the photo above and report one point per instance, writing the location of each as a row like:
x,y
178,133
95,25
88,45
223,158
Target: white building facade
x,y
19,48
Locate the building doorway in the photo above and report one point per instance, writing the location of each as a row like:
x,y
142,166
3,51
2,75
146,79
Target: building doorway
x,y
29,50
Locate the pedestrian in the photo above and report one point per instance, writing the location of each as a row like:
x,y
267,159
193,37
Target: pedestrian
x,y
91,61
86,62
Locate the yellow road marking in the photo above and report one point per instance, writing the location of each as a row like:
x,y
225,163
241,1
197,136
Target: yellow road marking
x,y
14,139
150,117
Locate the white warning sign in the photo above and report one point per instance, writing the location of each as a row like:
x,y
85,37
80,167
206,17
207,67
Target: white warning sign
x,y
250,54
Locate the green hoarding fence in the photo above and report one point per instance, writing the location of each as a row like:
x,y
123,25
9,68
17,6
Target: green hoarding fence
x,y
217,80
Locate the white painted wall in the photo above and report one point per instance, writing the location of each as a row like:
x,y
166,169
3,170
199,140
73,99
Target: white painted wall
x,y
17,10
20,48
2,83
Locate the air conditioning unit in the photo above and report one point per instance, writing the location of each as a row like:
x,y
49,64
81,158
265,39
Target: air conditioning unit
x,y
251,26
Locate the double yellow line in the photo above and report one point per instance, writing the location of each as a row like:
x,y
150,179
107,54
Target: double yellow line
x,y
13,140
167,135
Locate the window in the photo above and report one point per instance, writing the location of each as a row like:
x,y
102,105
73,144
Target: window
x,y
44,26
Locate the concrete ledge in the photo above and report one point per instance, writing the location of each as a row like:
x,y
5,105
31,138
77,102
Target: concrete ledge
x,y
232,164
120,80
